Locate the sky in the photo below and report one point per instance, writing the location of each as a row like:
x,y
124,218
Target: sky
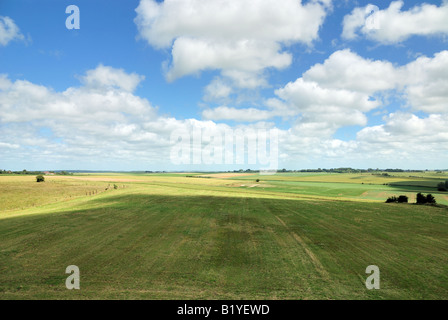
x,y
172,85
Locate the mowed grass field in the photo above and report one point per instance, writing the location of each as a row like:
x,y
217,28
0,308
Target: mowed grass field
x,y
215,236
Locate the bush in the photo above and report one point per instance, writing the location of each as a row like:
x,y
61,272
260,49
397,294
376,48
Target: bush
x,y
115,186
392,199
258,180
400,199
421,199
441,186
40,178
430,199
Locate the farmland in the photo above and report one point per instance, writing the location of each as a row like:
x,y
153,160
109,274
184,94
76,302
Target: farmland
x,y
222,236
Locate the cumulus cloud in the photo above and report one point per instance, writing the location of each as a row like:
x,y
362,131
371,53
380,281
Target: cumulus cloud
x,y
102,116
409,137
108,77
240,38
242,115
217,90
427,88
103,124
249,56
394,25
9,31
24,101
309,96
341,90
100,124
334,94
345,69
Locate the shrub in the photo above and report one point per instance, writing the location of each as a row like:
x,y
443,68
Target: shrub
x,y
400,199
392,199
421,199
40,178
258,180
115,186
430,199
441,186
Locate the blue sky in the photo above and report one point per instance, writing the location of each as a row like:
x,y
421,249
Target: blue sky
x,y
110,95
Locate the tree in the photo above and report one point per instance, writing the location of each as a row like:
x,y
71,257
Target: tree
x,y
442,186
392,199
400,199
40,178
421,199
430,199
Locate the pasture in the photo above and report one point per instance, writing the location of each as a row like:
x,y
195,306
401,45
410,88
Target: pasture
x,y
186,236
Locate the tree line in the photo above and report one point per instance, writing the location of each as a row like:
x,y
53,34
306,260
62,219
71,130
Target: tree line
x,y
420,199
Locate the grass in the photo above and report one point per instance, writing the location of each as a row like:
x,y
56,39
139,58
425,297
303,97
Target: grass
x,y
20,192
173,237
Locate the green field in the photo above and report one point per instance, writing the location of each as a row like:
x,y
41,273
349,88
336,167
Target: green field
x,y
217,236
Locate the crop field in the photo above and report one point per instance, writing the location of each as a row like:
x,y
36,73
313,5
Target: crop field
x,y
222,236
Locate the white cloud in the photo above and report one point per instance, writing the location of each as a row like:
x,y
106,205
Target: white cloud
x,y
242,115
427,79
334,94
108,77
236,37
395,25
340,91
249,56
408,133
161,23
103,124
9,31
98,125
349,82
24,101
8,145
345,69
85,116
309,96
217,90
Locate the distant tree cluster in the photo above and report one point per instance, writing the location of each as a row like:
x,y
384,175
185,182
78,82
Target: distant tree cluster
x,y
400,199
421,199
443,186
64,173
20,172
376,171
428,199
